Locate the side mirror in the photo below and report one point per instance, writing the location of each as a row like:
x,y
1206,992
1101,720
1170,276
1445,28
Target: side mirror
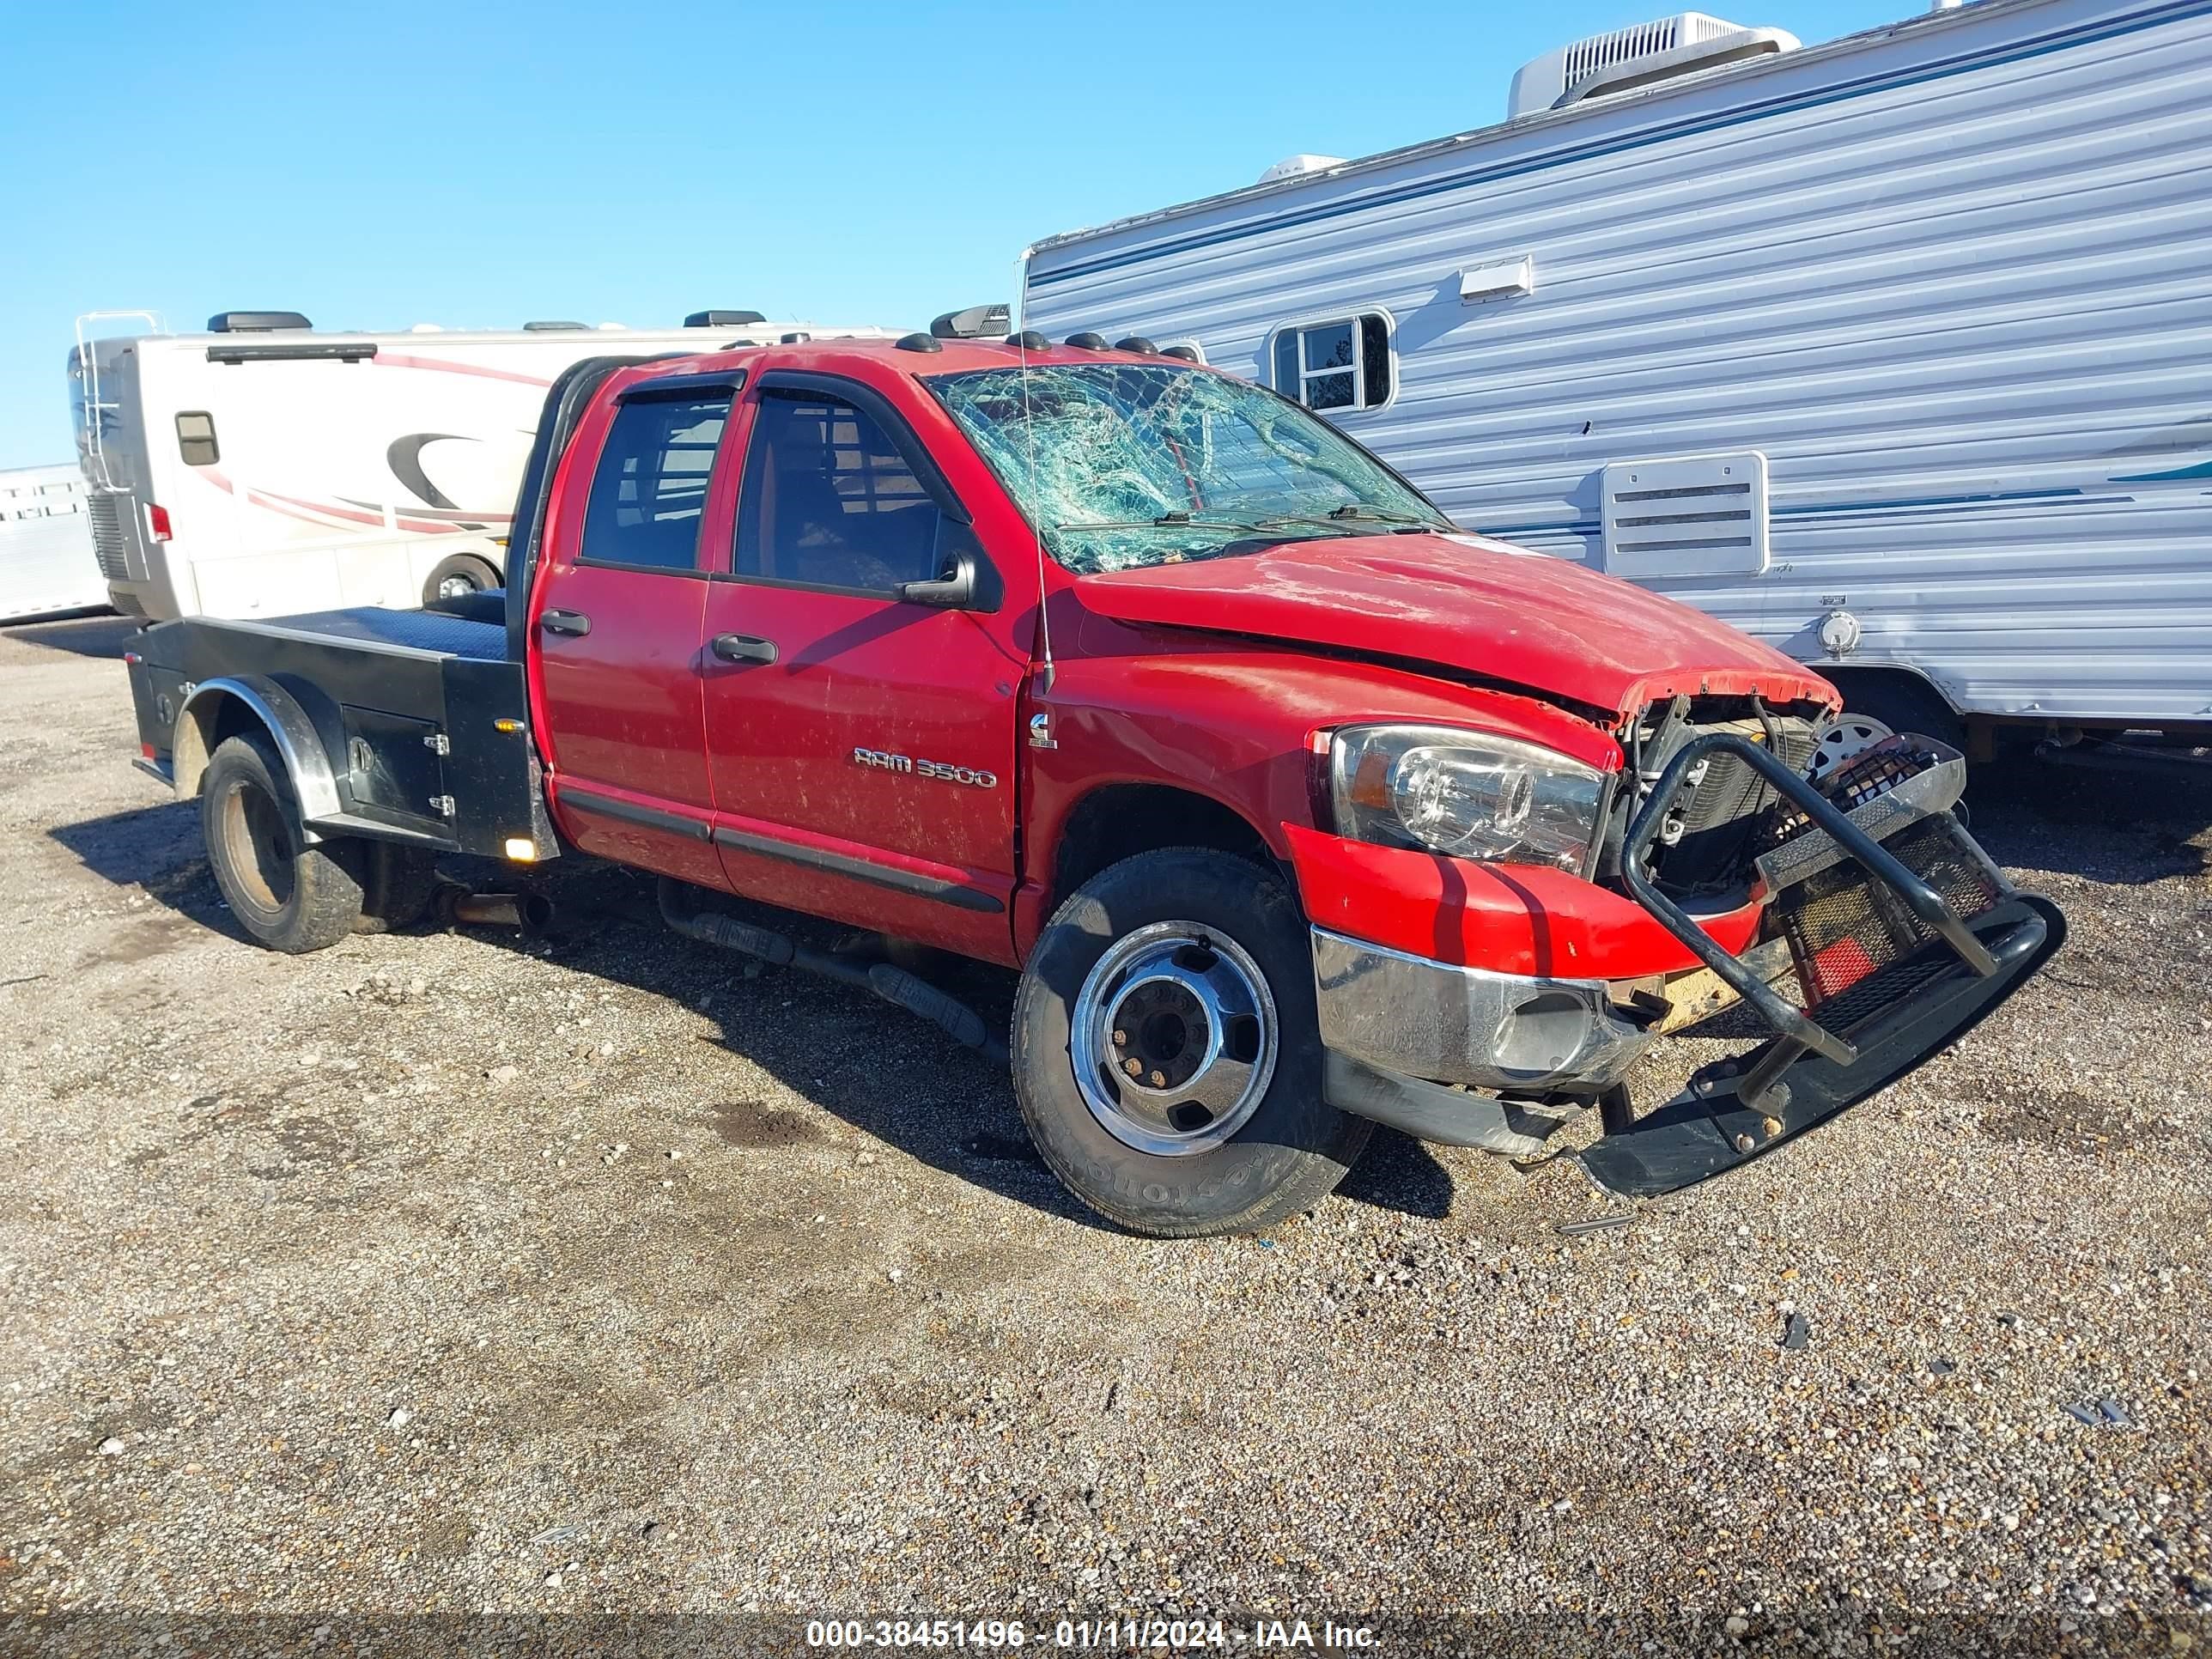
x,y
953,591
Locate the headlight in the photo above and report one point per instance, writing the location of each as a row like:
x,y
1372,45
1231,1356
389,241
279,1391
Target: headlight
x,y
1464,793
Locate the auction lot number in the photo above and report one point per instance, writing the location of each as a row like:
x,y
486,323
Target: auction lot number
x,y
1126,1634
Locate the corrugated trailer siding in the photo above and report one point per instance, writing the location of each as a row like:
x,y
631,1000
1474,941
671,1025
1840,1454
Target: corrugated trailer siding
x,y
1964,314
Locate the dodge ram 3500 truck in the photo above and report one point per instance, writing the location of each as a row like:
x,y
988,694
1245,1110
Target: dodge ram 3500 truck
x,y
1296,809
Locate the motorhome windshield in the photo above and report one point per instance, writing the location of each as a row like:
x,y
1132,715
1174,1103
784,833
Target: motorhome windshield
x,y
1120,466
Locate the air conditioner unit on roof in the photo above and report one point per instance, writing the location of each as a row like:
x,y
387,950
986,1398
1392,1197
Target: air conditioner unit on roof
x,y
1682,44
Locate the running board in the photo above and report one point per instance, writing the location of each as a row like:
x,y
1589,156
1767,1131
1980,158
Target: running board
x,y
893,984
1706,1130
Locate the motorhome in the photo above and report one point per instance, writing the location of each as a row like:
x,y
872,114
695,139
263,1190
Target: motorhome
x,y
45,549
1893,350
264,468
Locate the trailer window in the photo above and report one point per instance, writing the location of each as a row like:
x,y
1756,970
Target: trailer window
x,y
1341,363
196,438
650,490
829,501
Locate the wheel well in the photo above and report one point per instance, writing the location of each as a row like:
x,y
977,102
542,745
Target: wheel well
x,y
1904,698
1122,820
204,729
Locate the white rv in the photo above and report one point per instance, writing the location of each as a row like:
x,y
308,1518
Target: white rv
x,y
1895,351
45,549
265,469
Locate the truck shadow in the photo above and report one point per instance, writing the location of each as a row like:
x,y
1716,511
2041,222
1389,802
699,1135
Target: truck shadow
x,y
876,1068
2113,828
98,634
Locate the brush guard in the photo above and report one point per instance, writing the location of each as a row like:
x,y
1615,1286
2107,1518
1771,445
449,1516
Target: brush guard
x,y
1903,933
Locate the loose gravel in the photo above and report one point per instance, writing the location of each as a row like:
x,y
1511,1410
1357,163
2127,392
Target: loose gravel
x,y
590,1276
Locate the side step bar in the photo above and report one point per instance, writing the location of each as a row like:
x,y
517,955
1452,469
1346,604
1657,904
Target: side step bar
x,y
893,984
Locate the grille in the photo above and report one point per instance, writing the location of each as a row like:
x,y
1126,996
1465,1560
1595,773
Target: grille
x,y
109,543
1847,932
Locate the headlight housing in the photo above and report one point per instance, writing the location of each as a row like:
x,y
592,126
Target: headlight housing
x,y
1469,794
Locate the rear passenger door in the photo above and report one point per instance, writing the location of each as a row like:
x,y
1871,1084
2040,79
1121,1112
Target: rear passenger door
x,y
621,608
862,744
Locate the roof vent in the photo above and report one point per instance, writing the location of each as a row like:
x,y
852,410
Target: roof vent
x,y
1293,167
974,322
1637,56
255,322
722,318
554,327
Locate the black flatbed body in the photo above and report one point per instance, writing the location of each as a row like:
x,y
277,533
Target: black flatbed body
x,y
420,718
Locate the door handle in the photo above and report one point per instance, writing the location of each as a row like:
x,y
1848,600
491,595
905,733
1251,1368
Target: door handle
x,y
741,648
574,622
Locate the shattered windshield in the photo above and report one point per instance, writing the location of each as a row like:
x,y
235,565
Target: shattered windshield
x,y
1125,465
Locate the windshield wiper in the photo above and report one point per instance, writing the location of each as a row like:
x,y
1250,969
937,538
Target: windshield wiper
x,y
1166,521
1335,525
1379,515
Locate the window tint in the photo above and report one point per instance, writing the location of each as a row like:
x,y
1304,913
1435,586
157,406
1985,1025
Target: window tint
x,y
828,500
1342,364
651,488
196,438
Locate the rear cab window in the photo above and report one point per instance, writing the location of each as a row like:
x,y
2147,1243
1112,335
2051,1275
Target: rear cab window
x,y
649,491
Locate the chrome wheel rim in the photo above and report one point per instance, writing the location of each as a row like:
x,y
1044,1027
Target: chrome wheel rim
x,y
454,586
1173,1039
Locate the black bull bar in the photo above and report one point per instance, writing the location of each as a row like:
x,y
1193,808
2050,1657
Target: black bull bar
x,y
1808,1073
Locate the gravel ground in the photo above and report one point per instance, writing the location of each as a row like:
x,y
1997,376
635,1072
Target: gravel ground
x,y
446,1273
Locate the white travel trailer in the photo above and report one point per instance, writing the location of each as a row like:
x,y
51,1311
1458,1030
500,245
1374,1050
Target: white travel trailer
x,y
46,548
263,469
1895,351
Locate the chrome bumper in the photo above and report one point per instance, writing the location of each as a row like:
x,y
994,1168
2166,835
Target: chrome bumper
x,y
1423,1019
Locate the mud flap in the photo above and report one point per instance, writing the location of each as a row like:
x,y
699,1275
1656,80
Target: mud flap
x,y
1705,1131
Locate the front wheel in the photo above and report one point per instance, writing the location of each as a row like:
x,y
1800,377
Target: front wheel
x,y
1166,1052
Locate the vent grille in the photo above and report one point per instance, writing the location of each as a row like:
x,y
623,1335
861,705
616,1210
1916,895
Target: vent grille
x,y
109,543
1690,515
1602,51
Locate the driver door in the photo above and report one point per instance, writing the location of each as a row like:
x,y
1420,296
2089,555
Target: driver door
x,y
860,745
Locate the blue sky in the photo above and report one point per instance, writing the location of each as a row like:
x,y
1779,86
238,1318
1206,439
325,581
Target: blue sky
x,y
377,165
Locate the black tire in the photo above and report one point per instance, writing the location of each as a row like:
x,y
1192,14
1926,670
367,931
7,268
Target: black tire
x,y
395,884
289,896
478,574
1903,702
1291,1150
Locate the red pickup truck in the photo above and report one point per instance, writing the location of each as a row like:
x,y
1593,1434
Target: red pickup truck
x,y
1296,809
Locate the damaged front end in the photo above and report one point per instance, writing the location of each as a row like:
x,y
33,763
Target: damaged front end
x,y
1825,886
1901,932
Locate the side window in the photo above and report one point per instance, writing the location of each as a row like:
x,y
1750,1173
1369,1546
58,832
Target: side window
x,y
1340,364
828,500
196,438
650,490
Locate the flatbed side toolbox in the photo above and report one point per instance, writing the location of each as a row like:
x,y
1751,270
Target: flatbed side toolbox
x,y
418,722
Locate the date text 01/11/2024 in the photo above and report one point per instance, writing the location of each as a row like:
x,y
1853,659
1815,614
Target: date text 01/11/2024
x,y
1100,1634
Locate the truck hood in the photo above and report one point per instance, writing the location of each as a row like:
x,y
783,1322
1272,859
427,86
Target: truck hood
x,y
1468,603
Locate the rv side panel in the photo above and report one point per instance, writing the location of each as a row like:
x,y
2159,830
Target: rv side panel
x,y
1948,278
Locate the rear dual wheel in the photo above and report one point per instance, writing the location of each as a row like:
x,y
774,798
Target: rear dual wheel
x,y
290,895
1167,1054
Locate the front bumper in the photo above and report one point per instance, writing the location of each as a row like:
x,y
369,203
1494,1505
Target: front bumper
x,y
1424,1018
1902,934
